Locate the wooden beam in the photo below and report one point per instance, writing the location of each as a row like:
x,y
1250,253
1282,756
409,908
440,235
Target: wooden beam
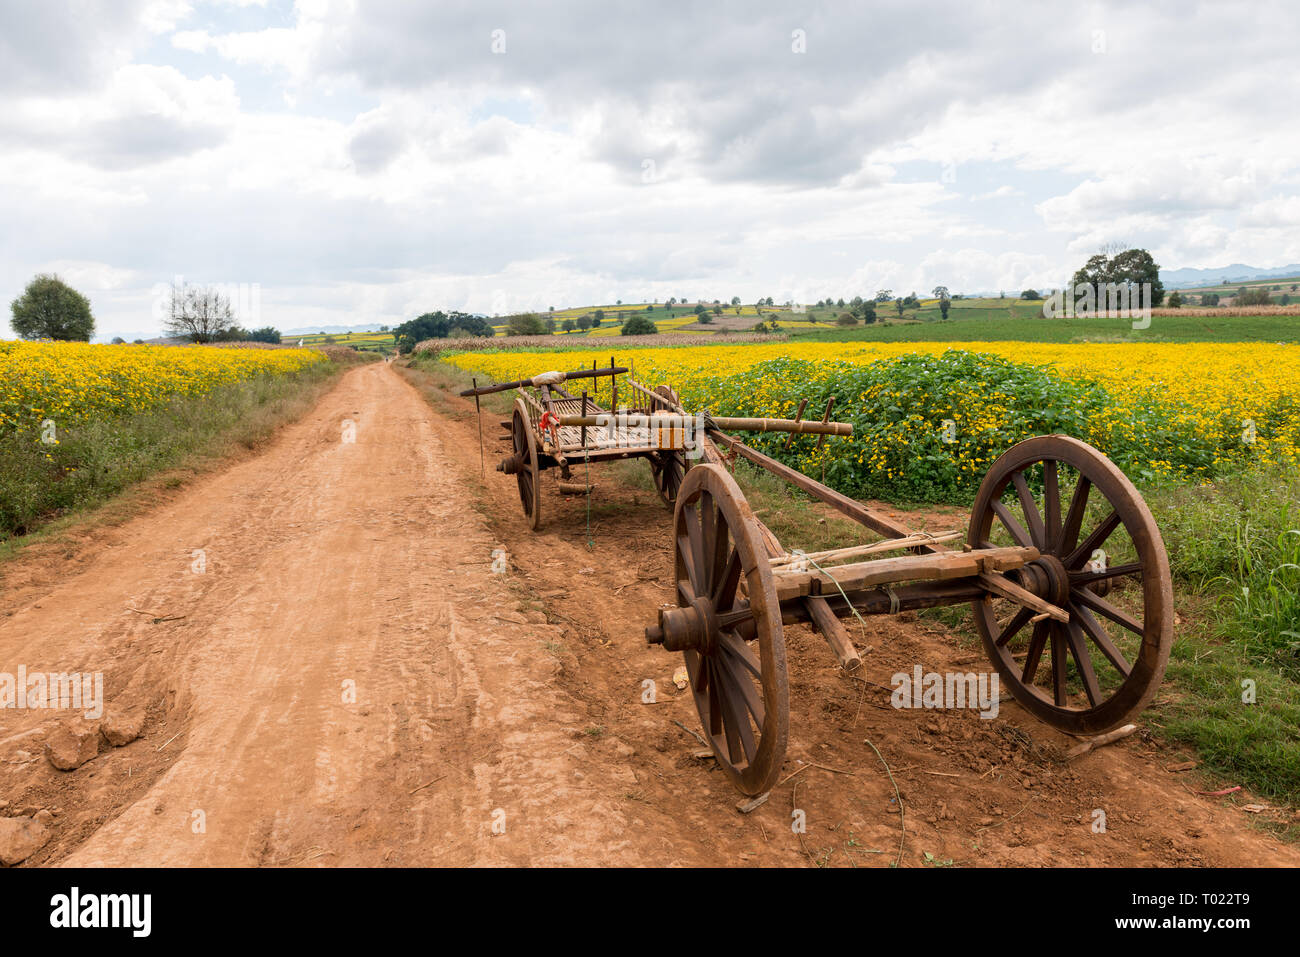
x,y
885,571
841,503
833,630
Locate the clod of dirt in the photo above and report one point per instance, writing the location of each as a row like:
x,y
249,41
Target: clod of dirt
x,y
122,727
71,745
20,838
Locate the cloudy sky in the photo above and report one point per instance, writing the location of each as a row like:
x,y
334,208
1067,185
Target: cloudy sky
x,y
367,161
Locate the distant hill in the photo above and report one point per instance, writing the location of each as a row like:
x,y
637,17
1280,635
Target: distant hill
x,y
1186,278
316,330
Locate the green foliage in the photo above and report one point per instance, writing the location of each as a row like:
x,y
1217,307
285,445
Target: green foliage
x,y
438,325
898,407
1030,294
51,309
94,461
531,324
1134,266
638,325
1254,297
1175,300
265,334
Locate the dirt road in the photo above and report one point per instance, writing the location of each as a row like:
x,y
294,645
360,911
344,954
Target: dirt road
x,y
335,675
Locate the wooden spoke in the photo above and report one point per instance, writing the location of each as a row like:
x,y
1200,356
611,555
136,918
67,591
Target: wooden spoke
x,y
1093,541
704,559
1078,579
1083,662
1037,641
1018,621
724,592
1117,615
1037,533
686,553
738,650
1074,518
1051,503
1058,664
1012,524
1094,630
736,712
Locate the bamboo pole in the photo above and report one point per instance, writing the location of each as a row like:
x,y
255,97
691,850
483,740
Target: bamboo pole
x,y
676,421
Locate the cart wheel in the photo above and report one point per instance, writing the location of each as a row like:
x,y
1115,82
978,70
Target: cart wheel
x,y
669,393
734,649
1104,542
668,468
525,443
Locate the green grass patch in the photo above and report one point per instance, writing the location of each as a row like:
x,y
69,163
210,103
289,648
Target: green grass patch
x,y
98,460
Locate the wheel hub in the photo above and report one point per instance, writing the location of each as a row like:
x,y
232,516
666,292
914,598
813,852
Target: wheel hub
x,y
690,628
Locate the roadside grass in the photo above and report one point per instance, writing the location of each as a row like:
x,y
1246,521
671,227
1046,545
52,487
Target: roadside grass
x,y
1234,547
96,463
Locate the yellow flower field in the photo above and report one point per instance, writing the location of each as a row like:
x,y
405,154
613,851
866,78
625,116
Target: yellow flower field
x,y
70,382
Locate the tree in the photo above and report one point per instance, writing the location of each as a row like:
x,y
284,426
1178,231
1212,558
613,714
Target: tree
x,y
735,300
717,310
1030,294
598,317
638,325
944,305
265,334
198,313
525,324
705,317
700,310
439,325
899,303
1175,300
1132,267
940,292
1254,297
51,309
584,322
884,295
846,319
568,325
117,341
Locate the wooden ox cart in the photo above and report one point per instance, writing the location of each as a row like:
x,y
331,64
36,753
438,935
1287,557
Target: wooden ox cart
x,y
1063,567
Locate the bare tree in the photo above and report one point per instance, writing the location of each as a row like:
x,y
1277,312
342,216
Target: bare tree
x,y
198,313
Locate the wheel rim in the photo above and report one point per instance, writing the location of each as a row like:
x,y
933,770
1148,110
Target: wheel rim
x,y
736,663
525,445
1103,666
